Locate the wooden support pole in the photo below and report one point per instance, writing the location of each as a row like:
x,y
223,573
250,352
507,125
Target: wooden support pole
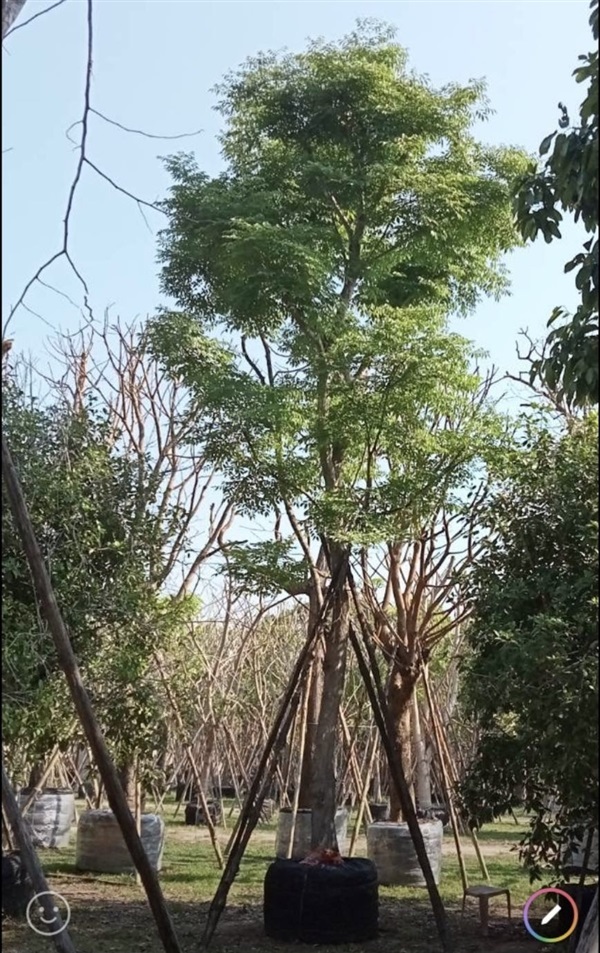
x,y
354,767
78,778
40,784
364,795
369,670
68,662
303,721
8,842
250,813
62,941
187,748
446,787
276,739
444,752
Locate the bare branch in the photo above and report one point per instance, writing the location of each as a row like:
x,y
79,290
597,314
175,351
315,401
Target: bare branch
x,y
140,132
64,251
119,188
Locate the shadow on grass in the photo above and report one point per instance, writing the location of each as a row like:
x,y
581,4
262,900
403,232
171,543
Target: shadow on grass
x,y
489,835
118,926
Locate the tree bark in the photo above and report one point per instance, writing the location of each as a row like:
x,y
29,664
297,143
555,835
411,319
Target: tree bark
x,y
10,11
588,941
323,787
401,688
127,777
423,774
36,774
314,708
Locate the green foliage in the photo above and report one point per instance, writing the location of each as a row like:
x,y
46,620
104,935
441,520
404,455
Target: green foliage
x,y
267,568
100,547
531,682
315,276
569,181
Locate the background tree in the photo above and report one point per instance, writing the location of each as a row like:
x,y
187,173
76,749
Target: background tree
x,y
97,548
569,181
117,499
356,211
531,680
417,607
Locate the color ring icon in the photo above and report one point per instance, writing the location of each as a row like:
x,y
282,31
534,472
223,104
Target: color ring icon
x,y
555,892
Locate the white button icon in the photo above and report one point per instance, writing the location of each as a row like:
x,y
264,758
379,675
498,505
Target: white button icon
x,y
550,916
54,920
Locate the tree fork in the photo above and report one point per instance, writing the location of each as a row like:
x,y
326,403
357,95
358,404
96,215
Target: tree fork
x,y
68,662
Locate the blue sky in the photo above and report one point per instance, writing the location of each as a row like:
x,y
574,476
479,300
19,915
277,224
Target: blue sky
x,y
155,62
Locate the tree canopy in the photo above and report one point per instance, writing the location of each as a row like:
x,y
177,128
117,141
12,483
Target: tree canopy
x,y
356,211
568,181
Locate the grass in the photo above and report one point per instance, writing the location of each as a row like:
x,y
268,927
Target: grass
x,y
110,915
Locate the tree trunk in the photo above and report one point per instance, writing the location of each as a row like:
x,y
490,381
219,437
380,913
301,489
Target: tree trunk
x,y
314,708
10,11
36,774
323,787
588,941
400,692
127,777
423,775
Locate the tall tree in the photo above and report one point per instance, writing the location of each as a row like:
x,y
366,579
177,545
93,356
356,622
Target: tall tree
x,y
532,678
569,181
355,212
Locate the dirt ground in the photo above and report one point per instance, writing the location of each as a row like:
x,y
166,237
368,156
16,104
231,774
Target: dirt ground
x,y
109,914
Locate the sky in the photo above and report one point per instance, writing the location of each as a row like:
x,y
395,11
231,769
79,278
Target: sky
x,y
155,63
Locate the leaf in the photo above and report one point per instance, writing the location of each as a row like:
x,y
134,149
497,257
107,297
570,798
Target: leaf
x,y
546,143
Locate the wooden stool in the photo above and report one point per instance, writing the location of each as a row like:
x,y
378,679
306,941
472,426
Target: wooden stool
x,y
483,892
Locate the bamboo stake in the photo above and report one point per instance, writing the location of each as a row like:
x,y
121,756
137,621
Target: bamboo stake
x,y
349,746
277,736
372,679
290,760
44,777
138,810
187,748
68,662
296,801
355,770
88,800
377,698
445,785
249,817
434,710
364,795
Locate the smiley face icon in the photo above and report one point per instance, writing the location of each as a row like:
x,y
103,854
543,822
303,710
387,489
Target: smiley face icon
x,y
48,913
